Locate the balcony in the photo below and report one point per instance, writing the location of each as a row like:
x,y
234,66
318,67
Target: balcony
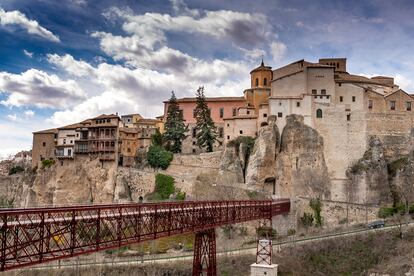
x,y
61,155
101,149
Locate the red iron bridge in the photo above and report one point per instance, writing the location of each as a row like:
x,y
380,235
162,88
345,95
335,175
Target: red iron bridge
x,y
36,235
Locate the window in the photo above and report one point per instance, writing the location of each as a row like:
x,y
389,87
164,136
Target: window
x,y
323,91
297,104
392,105
108,120
264,115
348,117
257,82
319,113
228,125
194,143
221,132
341,99
69,152
221,112
228,137
265,81
44,144
408,105
353,98
234,111
248,112
241,131
370,104
194,150
64,141
314,91
194,132
279,114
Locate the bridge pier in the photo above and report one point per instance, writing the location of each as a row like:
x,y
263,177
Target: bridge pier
x,y
204,262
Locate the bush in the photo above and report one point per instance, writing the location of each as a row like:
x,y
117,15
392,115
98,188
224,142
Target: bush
x,y
385,212
307,219
249,141
16,169
158,157
47,163
164,185
291,232
180,195
266,232
316,206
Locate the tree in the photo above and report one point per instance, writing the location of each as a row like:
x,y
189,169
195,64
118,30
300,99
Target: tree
x,y
175,128
156,138
206,130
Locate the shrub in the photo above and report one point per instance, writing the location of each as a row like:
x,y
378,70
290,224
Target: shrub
x,y
164,185
396,165
180,195
307,219
47,163
156,138
266,232
16,169
249,141
291,232
385,212
316,206
158,157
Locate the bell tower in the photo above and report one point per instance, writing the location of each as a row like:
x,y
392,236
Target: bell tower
x,y
261,76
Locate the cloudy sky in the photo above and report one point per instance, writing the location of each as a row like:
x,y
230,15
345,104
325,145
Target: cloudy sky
x,y
64,61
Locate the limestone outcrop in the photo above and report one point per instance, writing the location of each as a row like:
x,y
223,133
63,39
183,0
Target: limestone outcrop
x,y
300,166
262,160
368,177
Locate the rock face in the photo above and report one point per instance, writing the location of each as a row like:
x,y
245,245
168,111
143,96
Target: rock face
x,y
232,164
300,166
401,172
368,177
262,160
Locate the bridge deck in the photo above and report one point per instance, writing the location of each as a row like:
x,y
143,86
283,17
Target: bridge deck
x,y
36,235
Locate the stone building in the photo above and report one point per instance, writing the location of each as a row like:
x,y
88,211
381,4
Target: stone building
x,y
129,144
44,143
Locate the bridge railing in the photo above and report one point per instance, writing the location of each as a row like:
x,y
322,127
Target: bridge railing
x,y
36,235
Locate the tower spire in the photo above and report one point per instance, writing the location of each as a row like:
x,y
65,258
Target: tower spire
x,y
262,64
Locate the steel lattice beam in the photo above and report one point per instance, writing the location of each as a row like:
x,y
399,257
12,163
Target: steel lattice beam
x,y
37,235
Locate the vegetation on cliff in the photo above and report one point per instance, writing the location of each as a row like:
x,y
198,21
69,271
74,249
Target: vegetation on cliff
x,y
164,188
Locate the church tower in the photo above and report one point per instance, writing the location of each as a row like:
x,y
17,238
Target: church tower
x,y
259,92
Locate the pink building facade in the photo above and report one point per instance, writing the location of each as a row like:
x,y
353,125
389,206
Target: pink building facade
x,y
221,107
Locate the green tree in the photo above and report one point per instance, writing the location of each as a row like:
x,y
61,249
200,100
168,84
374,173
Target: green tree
x,y
156,138
158,157
206,130
175,128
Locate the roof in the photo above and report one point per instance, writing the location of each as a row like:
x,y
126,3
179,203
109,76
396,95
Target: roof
x,y
148,121
47,131
345,77
399,90
382,77
262,67
130,115
210,99
76,125
105,116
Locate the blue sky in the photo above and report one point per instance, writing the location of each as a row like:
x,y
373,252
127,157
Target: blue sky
x,y
64,61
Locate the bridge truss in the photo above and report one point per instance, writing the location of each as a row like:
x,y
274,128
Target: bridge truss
x,y
37,235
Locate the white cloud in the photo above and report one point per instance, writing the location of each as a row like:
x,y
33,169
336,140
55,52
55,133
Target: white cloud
x,y
67,62
29,113
27,53
180,7
12,117
31,26
405,83
37,88
278,50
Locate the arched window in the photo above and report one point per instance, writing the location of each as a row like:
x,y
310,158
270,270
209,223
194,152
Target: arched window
x,y
265,81
319,113
257,82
